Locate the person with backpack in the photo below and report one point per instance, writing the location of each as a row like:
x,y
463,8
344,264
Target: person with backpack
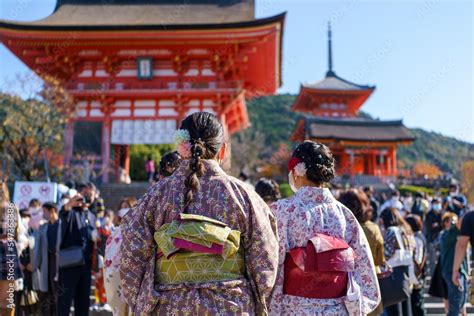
x,y
399,245
419,259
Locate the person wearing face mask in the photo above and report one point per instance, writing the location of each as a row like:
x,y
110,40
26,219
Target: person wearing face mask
x,y
433,228
455,201
393,202
457,292
44,260
420,206
36,214
312,224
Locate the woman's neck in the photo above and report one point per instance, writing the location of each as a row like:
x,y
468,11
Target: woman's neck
x,y
304,182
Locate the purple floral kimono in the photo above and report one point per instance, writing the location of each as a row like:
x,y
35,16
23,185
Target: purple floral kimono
x,y
222,198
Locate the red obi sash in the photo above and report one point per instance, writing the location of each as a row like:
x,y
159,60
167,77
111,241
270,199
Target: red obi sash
x,y
319,270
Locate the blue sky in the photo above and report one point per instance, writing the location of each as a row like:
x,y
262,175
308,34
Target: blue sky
x,y
418,53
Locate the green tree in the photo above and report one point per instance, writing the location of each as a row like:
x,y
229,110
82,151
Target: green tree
x,y
139,155
31,131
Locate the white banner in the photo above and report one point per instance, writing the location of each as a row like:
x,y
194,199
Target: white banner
x,y
125,132
25,191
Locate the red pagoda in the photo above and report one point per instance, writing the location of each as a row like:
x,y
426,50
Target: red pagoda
x,y
361,146
136,68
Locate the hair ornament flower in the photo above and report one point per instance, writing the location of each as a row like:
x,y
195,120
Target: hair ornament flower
x,y
181,135
182,139
297,166
300,169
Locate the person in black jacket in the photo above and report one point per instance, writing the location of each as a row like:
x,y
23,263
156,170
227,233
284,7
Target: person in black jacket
x,y
91,197
76,229
433,228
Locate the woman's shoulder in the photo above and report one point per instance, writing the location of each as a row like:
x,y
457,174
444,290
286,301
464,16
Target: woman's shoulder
x,y
284,206
372,229
247,187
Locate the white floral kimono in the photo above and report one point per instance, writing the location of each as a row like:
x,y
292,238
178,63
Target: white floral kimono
x,y
113,288
314,210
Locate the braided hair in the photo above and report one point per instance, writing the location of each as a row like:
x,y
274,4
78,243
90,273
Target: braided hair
x,y
207,137
320,164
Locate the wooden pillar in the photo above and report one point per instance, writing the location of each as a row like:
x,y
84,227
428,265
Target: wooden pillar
x,y
117,149
68,142
343,163
374,163
350,152
105,148
126,153
393,153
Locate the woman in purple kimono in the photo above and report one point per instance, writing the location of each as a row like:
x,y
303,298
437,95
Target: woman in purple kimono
x,y
325,264
199,242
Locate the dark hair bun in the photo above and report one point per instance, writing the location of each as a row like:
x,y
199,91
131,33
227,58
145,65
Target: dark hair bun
x,y
320,164
268,190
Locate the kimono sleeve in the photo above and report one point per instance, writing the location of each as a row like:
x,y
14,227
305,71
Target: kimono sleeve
x,y
277,294
138,254
261,251
364,271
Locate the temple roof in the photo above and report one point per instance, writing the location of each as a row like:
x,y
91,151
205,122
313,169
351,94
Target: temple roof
x,y
79,13
357,129
333,82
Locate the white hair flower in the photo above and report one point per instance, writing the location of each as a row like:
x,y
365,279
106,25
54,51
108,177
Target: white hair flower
x,y
300,169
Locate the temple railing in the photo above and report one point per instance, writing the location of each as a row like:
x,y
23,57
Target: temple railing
x,y
78,86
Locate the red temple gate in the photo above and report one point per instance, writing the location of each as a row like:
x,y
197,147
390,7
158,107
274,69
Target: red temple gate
x,y
140,68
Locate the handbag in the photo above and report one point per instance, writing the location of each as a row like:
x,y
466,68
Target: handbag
x,y
28,297
394,286
403,257
72,256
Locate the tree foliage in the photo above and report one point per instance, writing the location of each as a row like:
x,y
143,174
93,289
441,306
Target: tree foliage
x,y
139,155
31,132
248,147
425,169
467,179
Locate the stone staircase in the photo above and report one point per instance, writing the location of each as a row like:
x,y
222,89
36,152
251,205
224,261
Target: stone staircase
x,y
435,306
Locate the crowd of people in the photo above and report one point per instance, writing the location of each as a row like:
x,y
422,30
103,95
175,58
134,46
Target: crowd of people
x,y
202,242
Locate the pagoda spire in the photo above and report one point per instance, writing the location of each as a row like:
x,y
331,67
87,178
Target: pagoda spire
x,y
330,72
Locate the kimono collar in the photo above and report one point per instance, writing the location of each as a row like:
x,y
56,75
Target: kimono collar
x,y
314,194
211,166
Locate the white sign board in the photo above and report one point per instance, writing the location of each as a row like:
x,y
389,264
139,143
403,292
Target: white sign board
x,y
125,132
25,191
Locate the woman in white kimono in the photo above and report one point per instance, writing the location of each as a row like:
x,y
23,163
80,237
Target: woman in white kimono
x,y
341,278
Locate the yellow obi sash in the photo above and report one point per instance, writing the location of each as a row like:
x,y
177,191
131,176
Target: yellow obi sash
x,y
197,249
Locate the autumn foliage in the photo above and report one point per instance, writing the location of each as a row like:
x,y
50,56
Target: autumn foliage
x,y
425,169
